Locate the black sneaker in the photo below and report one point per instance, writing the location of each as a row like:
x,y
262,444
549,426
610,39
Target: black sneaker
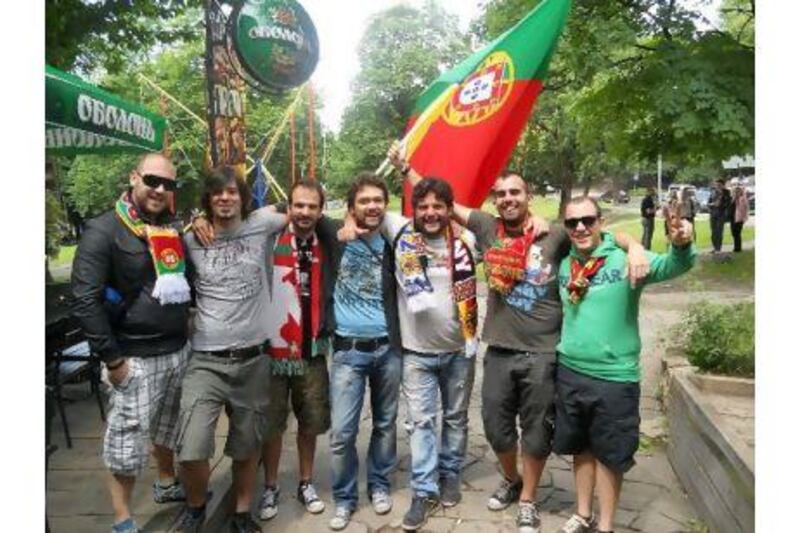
x,y
421,508
191,521
528,520
449,491
506,494
244,523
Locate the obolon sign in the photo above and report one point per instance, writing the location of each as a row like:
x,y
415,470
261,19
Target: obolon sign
x,y
275,41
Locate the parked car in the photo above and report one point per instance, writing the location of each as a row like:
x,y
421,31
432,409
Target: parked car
x,y
622,197
702,195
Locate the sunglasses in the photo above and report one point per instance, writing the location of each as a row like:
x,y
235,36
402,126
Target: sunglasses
x,y
153,181
572,223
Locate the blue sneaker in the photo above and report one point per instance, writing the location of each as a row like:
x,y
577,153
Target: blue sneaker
x,y
126,526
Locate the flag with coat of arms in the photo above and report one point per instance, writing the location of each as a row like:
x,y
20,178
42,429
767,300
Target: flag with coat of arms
x,y
466,123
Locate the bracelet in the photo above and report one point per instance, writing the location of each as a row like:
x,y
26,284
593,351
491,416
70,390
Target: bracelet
x,y
114,367
405,170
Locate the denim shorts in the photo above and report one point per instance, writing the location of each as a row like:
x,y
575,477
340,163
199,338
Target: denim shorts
x,y
518,384
598,416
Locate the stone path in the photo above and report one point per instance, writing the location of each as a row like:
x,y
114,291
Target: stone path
x,y
652,499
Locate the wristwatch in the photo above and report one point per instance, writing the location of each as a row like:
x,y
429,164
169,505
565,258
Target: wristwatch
x,y
406,168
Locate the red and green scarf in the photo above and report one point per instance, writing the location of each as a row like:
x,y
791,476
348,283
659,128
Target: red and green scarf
x,y
166,250
414,282
286,311
506,259
580,277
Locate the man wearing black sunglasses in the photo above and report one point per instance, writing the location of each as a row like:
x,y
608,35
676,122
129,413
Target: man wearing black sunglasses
x,y
597,378
135,255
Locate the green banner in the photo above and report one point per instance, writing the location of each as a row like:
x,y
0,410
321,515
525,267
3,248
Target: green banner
x,y
81,118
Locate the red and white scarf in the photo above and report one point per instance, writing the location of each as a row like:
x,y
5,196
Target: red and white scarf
x,y
286,311
505,261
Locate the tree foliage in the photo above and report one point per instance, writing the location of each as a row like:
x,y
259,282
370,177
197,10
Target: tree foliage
x,y
83,36
633,79
402,51
94,182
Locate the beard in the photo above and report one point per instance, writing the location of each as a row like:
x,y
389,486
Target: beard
x,y
441,222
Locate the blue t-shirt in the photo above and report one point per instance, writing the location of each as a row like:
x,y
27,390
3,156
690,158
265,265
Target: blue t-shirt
x,y
358,295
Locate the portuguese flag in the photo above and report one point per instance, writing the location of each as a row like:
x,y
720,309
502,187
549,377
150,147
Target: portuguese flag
x,y
465,125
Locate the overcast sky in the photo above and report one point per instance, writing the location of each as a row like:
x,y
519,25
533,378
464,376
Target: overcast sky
x,y
340,25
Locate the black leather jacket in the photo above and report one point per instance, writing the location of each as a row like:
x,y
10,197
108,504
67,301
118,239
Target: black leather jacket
x,y
109,255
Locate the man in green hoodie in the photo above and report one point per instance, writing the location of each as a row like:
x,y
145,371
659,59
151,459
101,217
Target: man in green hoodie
x,y
597,377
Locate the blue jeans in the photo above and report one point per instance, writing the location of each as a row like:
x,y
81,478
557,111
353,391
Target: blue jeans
x,y
350,370
424,378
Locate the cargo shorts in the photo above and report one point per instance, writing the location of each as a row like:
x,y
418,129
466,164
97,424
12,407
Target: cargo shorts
x,y
598,416
211,383
309,396
518,384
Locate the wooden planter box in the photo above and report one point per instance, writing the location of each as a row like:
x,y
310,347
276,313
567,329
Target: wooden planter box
x,y
715,466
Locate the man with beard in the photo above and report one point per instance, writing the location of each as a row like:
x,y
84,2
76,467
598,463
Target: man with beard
x,y
597,380
134,253
522,326
438,306
366,347
228,368
302,289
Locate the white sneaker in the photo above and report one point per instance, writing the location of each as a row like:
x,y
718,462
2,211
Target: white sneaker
x,y
340,518
381,501
268,505
307,495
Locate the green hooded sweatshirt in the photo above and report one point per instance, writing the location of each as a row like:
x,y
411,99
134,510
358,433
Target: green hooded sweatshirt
x,y
600,334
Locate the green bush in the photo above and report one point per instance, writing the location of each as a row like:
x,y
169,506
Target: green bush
x,y
721,338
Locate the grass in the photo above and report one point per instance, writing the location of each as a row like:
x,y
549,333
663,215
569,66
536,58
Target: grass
x,y
65,256
633,226
736,270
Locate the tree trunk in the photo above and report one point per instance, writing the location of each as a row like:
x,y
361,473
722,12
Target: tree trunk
x,y
566,194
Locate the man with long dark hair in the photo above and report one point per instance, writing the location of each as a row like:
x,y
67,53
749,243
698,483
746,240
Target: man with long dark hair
x,y
228,367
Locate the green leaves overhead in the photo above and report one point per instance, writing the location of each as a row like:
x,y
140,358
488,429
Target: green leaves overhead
x,y
402,50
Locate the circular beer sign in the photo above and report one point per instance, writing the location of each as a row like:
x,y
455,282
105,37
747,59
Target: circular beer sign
x,y
275,41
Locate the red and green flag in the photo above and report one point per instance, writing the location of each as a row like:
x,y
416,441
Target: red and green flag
x,y
465,125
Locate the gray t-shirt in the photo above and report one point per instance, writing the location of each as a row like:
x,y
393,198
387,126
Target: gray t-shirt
x,y
230,280
436,329
529,318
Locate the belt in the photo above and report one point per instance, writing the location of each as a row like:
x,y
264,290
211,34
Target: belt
x,y
508,351
362,345
240,353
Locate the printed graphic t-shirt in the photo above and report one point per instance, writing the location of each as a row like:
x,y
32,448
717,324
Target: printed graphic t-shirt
x,y
528,319
231,283
358,294
438,329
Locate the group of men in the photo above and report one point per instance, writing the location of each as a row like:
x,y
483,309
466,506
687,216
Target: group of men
x,y
394,302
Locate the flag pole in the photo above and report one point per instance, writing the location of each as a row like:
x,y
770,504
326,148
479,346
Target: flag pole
x,y
422,119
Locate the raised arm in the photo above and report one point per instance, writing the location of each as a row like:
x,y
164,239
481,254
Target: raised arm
x,y
460,212
638,260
